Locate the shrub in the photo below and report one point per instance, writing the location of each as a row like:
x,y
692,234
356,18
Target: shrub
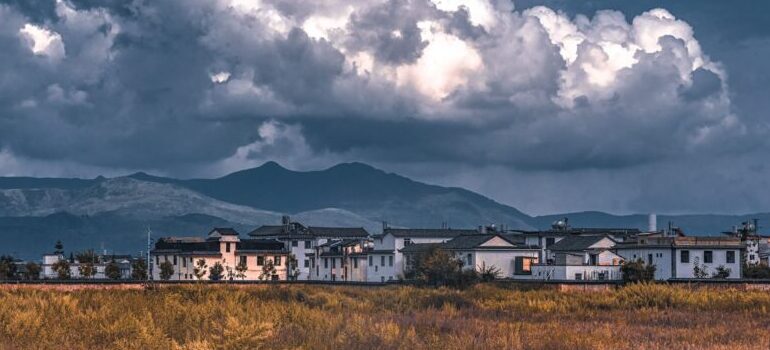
x,y
756,271
489,273
166,270
216,272
637,271
33,271
112,270
139,269
722,272
62,269
7,268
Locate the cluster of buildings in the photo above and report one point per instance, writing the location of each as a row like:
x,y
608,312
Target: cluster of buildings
x,y
293,251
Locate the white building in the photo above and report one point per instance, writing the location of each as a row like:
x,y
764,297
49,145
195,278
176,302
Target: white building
x,y
580,258
222,246
480,251
301,241
386,261
678,257
49,260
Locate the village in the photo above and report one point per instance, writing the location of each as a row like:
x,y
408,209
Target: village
x,y
291,251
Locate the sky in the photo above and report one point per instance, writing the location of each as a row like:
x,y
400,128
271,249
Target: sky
x,y
547,106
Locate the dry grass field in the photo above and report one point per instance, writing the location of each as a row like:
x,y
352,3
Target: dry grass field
x,y
326,317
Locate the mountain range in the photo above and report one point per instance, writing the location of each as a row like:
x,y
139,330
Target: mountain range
x,y
115,213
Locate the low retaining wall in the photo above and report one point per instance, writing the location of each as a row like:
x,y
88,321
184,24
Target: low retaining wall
x,y
566,286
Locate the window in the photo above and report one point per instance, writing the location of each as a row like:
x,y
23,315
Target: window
x,y
184,262
390,260
708,257
277,261
371,259
578,276
294,243
684,256
227,247
326,263
174,260
307,263
355,263
308,245
469,259
312,262
550,241
407,241
382,260
649,259
730,257
260,260
242,260
523,265
334,263
752,256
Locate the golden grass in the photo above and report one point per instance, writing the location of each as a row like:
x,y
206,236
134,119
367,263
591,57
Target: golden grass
x,y
325,317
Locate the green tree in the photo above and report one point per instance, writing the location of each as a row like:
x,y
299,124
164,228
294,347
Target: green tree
x,y
637,271
87,261
268,270
722,272
59,248
200,269
437,267
112,270
699,271
292,267
139,269
33,271
7,267
216,271
241,269
62,269
754,271
166,270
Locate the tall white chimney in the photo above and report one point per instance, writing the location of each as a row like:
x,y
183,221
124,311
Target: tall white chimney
x,y
652,223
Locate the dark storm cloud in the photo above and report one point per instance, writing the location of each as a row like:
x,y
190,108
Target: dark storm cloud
x,y
180,86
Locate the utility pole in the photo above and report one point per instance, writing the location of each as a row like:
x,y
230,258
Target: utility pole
x,y
149,261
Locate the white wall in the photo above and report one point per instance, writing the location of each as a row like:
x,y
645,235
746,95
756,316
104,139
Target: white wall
x,y
685,270
562,272
661,258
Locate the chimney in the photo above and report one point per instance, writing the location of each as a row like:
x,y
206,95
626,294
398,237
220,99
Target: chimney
x,y
652,223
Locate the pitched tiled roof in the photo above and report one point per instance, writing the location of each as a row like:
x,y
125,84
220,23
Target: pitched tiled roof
x,y
225,231
419,247
428,232
575,243
347,232
296,229
248,245
185,245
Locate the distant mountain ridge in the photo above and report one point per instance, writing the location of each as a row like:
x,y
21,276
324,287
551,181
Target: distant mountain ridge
x,y
37,211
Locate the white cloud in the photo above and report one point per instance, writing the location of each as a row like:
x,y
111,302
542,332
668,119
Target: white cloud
x,y
43,42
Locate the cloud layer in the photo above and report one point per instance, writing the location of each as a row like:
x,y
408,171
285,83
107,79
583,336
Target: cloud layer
x,y
204,87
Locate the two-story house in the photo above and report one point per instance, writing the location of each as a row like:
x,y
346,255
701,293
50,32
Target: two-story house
x,y
193,257
301,241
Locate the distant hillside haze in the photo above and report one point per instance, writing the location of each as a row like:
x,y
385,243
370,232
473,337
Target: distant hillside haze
x,y
116,212
357,188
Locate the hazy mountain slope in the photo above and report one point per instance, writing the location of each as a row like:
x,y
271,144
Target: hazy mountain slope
x,y
358,188
127,196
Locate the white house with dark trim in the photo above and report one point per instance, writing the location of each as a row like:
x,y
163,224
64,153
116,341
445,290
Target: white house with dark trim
x,y
302,240
580,258
677,257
